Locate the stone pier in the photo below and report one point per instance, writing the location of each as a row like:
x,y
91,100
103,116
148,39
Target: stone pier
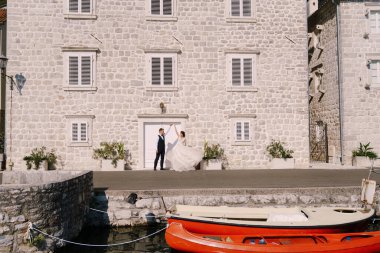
x,y
54,201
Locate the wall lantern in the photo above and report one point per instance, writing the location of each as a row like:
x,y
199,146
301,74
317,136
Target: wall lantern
x,y
20,79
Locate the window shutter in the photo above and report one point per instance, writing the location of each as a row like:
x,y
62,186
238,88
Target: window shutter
x,y
86,6
155,7
74,6
83,132
247,8
246,131
238,131
248,72
236,72
156,71
74,132
235,8
167,7
168,71
86,70
73,70
375,21
375,72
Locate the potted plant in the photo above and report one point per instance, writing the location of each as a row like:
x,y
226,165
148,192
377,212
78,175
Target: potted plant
x,y
110,153
212,157
281,158
363,155
51,158
40,158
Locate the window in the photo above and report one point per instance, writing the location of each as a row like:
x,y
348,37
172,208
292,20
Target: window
x,y
80,70
162,71
161,10
241,71
79,130
241,10
374,20
242,132
374,69
241,129
161,7
80,9
80,6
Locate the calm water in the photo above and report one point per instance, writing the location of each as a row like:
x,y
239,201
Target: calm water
x,y
154,244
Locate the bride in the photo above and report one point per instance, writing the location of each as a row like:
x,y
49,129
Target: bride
x,y
182,157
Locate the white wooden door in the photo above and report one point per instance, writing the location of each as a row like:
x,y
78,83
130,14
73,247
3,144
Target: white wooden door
x,y
150,141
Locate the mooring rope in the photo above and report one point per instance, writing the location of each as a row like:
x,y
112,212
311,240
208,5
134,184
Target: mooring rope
x,y
147,216
32,227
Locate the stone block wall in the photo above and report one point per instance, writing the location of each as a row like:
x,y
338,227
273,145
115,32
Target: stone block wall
x,y
58,208
118,212
38,31
361,110
325,107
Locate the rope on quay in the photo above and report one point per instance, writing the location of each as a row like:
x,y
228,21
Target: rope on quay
x,y
32,227
147,216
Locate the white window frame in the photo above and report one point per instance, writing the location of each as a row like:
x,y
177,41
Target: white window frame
x,y
243,55
161,87
377,29
241,18
80,14
372,6
79,119
67,53
161,17
369,65
242,118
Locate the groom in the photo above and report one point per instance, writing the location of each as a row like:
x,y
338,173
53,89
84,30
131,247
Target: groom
x,y
160,149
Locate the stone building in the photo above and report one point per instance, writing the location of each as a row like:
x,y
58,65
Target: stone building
x,y
232,72
344,66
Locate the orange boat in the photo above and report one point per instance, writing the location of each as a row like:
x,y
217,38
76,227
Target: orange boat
x,y
240,220
180,239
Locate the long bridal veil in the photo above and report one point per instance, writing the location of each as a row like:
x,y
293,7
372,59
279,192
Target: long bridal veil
x,y
183,158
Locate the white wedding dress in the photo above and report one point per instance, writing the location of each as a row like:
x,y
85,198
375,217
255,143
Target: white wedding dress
x,y
181,157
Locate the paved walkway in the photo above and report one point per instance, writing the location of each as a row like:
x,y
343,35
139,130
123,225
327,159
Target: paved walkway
x,y
229,179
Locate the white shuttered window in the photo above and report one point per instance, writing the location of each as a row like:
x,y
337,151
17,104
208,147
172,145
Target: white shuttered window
x,y
162,70
80,6
375,72
374,21
241,70
80,69
161,7
241,8
242,131
79,132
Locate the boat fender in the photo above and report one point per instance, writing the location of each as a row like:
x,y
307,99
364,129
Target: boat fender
x,y
151,219
262,241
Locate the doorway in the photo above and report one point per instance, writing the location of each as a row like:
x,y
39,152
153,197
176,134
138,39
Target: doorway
x,y
150,141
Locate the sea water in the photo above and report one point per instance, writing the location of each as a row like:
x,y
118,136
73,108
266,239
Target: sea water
x,y
154,244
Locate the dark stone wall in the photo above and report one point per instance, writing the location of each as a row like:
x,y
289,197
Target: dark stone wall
x,y
58,208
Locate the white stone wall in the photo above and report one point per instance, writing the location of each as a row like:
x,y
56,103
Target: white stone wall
x,y
361,106
38,31
325,107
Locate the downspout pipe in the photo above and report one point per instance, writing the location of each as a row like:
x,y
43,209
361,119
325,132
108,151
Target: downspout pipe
x,y
340,83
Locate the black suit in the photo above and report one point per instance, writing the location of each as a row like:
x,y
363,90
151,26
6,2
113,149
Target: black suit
x,y
160,152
